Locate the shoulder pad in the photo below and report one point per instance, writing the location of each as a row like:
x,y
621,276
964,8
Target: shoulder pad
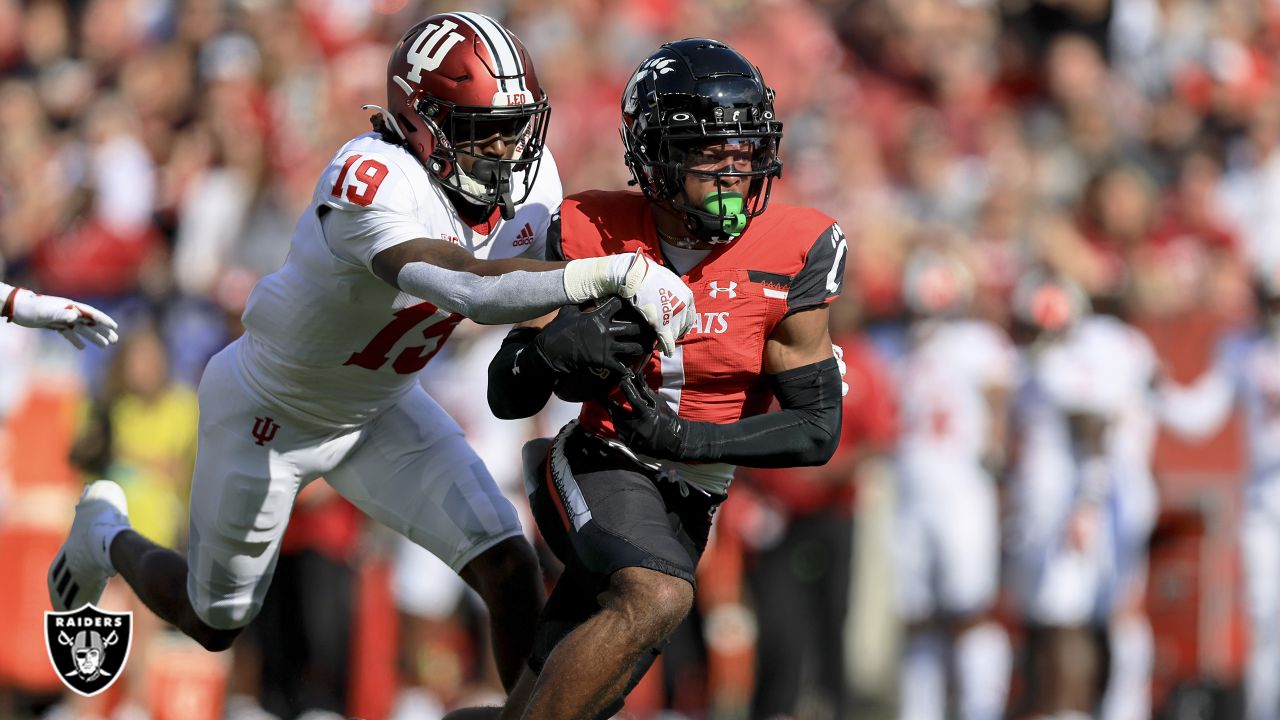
x,y
356,180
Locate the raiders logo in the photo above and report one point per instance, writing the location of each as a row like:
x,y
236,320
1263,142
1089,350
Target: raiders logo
x,y
88,647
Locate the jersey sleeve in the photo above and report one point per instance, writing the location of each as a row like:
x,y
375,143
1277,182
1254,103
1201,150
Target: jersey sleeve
x,y
822,277
367,204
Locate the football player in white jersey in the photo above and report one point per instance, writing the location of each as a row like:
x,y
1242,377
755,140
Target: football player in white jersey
x,y
1084,501
1247,373
955,383
411,228
75,321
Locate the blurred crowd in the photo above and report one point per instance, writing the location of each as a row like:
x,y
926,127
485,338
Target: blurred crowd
x,y
156,154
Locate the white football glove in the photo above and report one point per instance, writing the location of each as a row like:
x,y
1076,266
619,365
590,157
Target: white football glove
x,y
659,294
662,298
72,320
838,353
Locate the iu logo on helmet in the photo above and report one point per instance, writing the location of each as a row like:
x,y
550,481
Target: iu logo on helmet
x,y
88,647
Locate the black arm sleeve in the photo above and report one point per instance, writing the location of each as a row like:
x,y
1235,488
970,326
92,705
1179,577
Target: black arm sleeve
x,y
805,431
520,382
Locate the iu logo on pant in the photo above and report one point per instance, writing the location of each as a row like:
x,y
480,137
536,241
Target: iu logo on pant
x,y
88,647
264,429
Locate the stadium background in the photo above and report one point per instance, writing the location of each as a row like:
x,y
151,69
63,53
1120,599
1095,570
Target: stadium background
x,y
156,154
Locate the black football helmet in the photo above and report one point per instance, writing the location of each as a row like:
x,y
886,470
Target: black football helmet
x,y
688,95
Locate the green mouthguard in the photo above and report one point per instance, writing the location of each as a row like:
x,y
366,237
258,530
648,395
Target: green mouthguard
x,y
728,205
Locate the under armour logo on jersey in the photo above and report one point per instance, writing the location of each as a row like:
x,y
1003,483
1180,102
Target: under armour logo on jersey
x,y
732,289
524,237
264,429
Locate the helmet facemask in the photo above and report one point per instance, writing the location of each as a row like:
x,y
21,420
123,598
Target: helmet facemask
x,y
461,132
697,108
717,155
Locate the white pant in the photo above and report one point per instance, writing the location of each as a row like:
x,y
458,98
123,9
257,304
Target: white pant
x,y
1260,546
946,544
409,468
1060,585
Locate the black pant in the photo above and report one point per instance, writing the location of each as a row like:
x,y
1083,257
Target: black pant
x,y
801,590
304,635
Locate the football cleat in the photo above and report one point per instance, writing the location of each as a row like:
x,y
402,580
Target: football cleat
x,y
82,566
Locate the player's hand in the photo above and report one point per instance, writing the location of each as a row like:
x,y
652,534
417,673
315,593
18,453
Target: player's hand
x,y
662,298
73,320
838,353
648,426
1084,526
577,340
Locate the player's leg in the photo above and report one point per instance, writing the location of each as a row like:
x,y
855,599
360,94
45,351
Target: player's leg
x,y
593,667
834,528
1128,689
969,554
415,473
780,646
240,500
608,518
1260,547
922,675
506,577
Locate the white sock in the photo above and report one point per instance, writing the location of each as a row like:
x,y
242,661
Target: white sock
x,y
922,684
1128,693
983,661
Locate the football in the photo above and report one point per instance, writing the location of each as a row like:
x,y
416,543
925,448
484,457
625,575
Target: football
x,y
597,382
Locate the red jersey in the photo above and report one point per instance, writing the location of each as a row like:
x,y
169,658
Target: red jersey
x,y
789,258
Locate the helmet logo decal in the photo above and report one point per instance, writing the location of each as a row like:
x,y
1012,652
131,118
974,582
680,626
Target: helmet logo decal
x,y
655,66
430,48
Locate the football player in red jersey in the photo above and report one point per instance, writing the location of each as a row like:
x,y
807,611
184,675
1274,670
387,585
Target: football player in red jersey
x,y
626,493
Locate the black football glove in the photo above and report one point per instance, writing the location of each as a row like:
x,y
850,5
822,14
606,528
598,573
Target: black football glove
x,y
578,340
649,426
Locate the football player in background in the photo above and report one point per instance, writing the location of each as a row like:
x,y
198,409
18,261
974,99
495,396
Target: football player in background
x,y
73,320
412,227
1084,502
1247,373
955,383
625,494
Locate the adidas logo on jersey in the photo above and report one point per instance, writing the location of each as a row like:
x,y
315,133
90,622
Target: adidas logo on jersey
x,y
524,237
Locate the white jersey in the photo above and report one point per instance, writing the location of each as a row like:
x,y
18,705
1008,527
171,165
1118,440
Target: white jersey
x,y
1103,367
328,341
1247,370
944,380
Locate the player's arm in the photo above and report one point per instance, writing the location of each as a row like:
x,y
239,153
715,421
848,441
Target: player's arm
x,y
75,321
520,380
494,292
523,373
804,431
801,368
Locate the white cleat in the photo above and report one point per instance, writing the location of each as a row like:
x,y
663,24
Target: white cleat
x,y
82,566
